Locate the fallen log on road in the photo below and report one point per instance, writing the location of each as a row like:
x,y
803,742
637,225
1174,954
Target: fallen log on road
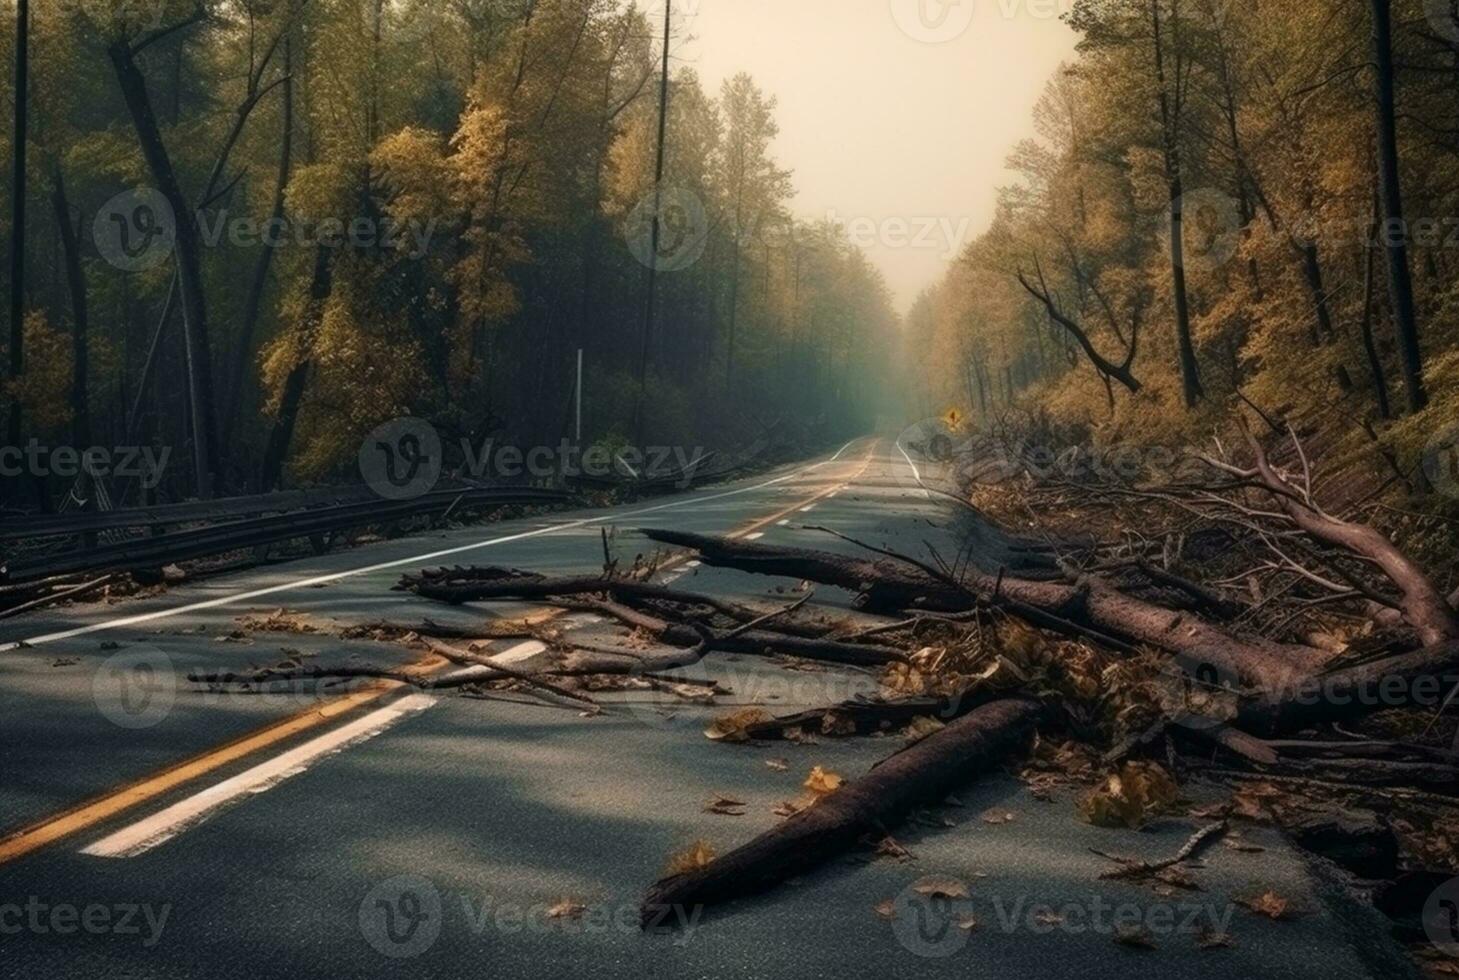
x,y
921,774
887,585
470,585
457,586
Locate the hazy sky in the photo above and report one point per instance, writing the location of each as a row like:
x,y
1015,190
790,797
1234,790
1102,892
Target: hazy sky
x,y
878,122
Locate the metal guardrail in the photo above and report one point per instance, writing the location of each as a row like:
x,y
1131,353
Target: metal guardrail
x,y
242,523
235,535
189,512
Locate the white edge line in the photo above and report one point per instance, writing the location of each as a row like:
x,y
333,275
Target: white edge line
x,y
168,823
915,472
307,583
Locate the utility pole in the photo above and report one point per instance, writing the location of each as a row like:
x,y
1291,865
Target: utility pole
x,y
578,401
17,211
648,312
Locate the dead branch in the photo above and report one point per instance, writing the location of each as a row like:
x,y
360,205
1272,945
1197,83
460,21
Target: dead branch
x,y
1131,868
922,773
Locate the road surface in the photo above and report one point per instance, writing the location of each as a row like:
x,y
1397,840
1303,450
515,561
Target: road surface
x,y
159,831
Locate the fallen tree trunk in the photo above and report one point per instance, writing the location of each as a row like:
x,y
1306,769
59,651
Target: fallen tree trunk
x,y
764,643
865,716
887,585
462,585
496,583
1424,677
918,775
1284,686
1424,606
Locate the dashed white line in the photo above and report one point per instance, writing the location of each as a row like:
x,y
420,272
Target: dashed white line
x,y
520,652
168,823
755,537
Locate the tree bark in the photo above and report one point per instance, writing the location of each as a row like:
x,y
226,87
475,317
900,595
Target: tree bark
x,y
1171,110
1424,607
76,284
17,212
277,452
1370,345
189,264
918,775
887,585
1395,228
1107,368
242,353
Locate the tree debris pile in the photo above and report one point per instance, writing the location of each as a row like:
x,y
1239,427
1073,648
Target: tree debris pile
x,y
1109,669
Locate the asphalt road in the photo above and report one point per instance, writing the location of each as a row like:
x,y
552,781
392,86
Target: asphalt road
x,y
176,833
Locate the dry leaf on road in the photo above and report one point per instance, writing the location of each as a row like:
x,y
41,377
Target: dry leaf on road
x,y
1269,904
697,855
823,782
567,909
725,806
940,888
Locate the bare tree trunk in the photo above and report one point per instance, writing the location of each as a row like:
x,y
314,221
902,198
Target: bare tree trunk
x,y
1171,109
76,282
734,310
1370,346
1395,229
242,353
1322,330
189,264
653,270
277,452
17,210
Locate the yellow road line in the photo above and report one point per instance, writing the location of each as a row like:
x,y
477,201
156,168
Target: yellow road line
x,y
52,829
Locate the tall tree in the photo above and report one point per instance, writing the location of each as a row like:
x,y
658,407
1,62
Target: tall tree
x,y
655,239
17,212
1395,232
1172,76
123,51
754,187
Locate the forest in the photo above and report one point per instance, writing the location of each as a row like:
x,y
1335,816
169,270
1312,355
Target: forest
x,y
1105,570
404,208
1229,209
